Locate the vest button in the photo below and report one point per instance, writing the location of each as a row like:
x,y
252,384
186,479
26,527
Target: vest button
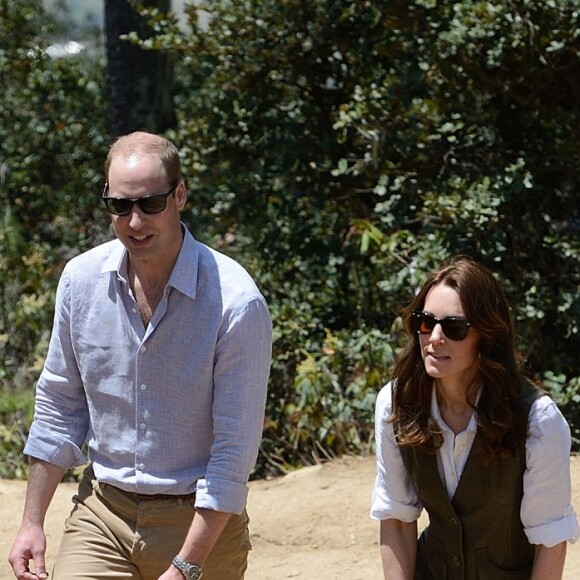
x,y
453,520
456,560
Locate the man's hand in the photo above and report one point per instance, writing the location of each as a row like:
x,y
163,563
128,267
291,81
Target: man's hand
x,y
30,544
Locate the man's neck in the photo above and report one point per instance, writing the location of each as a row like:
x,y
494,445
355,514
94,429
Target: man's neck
x,y
148,285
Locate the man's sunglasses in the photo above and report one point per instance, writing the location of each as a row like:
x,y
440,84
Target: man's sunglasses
x,y
150,204
454,328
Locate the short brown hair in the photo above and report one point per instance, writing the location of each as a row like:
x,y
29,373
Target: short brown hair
x,y
147,144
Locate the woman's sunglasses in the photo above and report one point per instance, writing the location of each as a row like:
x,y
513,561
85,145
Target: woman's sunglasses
x,y
453,328
150,204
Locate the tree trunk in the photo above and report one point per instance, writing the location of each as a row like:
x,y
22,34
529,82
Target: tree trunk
x,y
138,81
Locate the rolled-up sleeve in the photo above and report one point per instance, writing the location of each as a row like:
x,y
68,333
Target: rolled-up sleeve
x,y
546,512
61,417
241,372
393,495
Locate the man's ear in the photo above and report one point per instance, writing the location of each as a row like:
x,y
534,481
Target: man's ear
x,y
181,195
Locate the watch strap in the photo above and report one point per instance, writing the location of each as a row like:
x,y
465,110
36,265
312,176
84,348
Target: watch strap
x,y
189,571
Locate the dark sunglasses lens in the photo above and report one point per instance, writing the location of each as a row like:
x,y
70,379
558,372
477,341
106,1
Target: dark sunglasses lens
x,y
150,205
119,206
422,323
425,323
454,329
153,204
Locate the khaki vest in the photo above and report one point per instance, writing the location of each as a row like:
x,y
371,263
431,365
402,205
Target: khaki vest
x,y
478,535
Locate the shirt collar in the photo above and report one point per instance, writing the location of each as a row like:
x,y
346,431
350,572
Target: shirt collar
x,y
184,274
117,260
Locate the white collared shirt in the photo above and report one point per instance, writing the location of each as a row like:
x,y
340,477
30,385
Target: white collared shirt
x,y
546,512
455,450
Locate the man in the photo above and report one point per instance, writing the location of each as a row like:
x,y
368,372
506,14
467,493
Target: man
x,y
158,362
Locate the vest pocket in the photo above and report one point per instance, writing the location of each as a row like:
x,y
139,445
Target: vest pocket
x,y
487,570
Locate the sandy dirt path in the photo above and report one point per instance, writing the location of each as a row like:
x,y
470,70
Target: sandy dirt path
x,y
311,525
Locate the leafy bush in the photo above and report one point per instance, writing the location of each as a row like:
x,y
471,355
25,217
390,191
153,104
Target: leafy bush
x,y
329,411
53,144
16,412
345,149
339,150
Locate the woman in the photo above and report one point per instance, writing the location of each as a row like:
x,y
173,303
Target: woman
x,y
462,434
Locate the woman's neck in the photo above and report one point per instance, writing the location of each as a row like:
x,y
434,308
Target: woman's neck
x,y
455,405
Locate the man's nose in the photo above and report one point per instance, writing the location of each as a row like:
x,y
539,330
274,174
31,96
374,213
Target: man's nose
x,y
136,217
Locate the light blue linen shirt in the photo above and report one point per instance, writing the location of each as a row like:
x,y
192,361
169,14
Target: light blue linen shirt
x,y
177,407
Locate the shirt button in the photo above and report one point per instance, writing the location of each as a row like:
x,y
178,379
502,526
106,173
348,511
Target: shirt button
x,y
456,560
133,310
141,466
143,387
143,348
142,426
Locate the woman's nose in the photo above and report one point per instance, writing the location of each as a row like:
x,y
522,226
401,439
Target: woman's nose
x,y
437,334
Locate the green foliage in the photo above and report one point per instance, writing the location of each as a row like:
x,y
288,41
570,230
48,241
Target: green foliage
x,y
344,149
566,393
53,146
16,412
340,151
53,143
329,411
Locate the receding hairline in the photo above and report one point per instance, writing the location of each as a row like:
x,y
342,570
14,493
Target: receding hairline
x,y
146,144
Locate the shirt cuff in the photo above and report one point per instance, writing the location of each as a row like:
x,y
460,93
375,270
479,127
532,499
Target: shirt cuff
x,y
47,446
553,533
221,495
386,510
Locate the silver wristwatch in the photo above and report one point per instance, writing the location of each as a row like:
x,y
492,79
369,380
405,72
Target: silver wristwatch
x,y
190,571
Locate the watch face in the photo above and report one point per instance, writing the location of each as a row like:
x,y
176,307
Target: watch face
x,y
194,572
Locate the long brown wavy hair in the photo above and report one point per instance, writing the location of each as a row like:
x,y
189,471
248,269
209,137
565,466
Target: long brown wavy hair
x,y
485,306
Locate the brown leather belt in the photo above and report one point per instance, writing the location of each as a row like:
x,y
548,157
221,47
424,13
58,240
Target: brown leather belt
x,y
159,496
149,496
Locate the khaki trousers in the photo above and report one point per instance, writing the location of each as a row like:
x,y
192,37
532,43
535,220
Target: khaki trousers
x,y
111,534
